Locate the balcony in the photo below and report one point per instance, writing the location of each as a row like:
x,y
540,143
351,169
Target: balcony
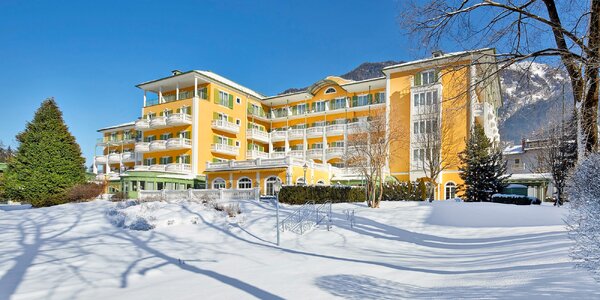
x,y
100,159
142,124
158,145
179,119
257,135
478,109
296,153
337,129
314,154
278,135
179,143
225,126
141,168
142,147
225,149
157,168
335,152
158,122
296,134
357,127
179,168
277,154
114,158
127,156
316,131
254,154
258,114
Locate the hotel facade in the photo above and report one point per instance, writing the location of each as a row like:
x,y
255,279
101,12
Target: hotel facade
x,y
198,129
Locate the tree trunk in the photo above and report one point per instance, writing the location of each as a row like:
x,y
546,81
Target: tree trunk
x,y
589,105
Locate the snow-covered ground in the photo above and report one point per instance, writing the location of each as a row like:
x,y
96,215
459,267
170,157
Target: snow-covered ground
x,y
444,250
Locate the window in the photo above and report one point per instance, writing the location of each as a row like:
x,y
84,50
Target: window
x,y
183,159
165,160
424,78
237,143
134,186
218,183
223,98
320,182
299,109
318,124
238,100
318,106
362,100
338,144
380,97
338,103
450,190
300,181
149,161
184,134
166,136
316,146
418,155
330,91
244,183
297,147
238,122
142,185
270,185
425,98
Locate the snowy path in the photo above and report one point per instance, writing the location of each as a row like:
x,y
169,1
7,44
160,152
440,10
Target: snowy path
x,y
403,250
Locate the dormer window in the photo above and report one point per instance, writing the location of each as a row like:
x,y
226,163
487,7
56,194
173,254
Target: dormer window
x,y
330,91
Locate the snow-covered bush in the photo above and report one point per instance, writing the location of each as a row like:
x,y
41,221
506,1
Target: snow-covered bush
x,y
140,224
584,218
515,199
233,209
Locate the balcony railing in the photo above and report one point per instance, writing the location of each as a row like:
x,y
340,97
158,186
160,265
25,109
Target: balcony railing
x,y
316,131
158,145
179,168
336,129
141,168
127,156
158,122
100,159
295,134
142,147
257,135
114,158
277,154
158,168
225,126
225,149
179,143
335,152
179,119
142,124
357,127
254,154
278,135
315,153
297,153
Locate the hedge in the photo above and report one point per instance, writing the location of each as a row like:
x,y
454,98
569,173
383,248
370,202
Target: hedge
x,y
400,191
515,199
320,194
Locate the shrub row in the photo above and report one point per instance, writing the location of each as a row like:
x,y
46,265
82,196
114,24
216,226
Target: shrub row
x,y
515,199
398,191
320,194
84,191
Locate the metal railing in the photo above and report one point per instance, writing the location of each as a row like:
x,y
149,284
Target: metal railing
x,y
306,217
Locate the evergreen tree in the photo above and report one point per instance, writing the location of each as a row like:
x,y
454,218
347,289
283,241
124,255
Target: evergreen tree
x,y
483,169
47,162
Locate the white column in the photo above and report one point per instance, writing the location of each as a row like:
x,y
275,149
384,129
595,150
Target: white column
x,y
195,87
177,92
144,98
160,100
231,180
194,135
258,179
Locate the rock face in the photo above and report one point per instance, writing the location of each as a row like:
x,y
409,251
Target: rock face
x,y
532,95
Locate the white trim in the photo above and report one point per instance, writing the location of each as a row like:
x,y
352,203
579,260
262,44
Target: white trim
x,y
244,177
212,184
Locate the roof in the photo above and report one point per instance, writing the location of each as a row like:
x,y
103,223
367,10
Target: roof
x,y
516,149
119,126
445,56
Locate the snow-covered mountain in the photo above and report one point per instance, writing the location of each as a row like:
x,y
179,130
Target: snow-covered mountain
x,y
532,95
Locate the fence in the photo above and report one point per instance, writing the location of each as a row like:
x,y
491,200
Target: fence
x,y
222,195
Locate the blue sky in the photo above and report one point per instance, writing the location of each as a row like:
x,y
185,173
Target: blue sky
x,y
89,56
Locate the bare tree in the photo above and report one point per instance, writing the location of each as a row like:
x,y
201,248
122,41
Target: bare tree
x,y
521,29
369,151
433,143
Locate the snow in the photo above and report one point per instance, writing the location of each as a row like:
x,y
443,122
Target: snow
x,y
516,149
440,250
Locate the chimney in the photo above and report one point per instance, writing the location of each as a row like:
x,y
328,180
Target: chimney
x,y
437,53
175,72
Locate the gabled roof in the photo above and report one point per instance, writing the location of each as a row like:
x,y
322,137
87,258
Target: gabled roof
x,y
119,126
441,58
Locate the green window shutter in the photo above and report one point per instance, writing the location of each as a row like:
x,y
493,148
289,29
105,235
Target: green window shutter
x,y
417,78
215,115
178,110
230,101
216,95
354,101
205,92
230,142
215,139
230,119
435,75
370,98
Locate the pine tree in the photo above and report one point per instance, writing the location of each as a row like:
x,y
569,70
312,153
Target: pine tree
x,y
47,162
482,167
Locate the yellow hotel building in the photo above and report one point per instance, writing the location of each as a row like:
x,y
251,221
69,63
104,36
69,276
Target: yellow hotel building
x,y
198,129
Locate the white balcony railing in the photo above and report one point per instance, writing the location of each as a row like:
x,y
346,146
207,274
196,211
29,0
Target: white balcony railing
x,y
335,152
295,134
159,168
225,126
278,135
336,129
254,154
179,143
158,122
179,119
297,153
142,147
100,159
257,135
277,154
314,131
225,149
179,168
357,127
142,124
315,154
127,156
114,158
157,145
141,168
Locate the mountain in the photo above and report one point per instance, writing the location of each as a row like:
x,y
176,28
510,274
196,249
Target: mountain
x,y
531,94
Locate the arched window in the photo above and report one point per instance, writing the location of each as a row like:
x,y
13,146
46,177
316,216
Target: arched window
x,y
244,183
300,181
218,183
320,182
330,90
450,190
269,184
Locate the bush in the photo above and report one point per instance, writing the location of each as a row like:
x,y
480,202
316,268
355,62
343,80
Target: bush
x,y
398,191
85,191
515,199
320,194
